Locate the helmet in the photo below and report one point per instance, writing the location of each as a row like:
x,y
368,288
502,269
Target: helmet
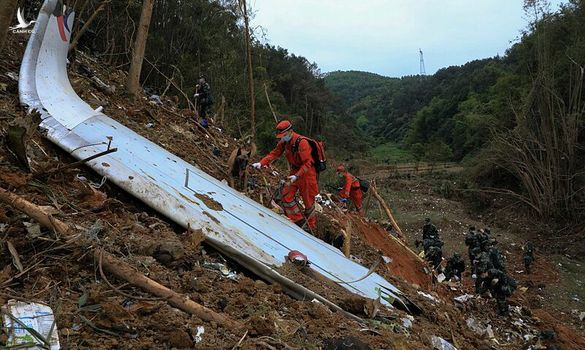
x,y
340,169
282,128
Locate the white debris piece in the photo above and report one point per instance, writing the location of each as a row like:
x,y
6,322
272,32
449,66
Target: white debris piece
x,y
463,298
490,332
441,344
386,259
199,335
441,277
475,326
407,321
30,316
428,296
33,228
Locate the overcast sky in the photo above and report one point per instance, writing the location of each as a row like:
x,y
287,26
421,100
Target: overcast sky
x,y
384,36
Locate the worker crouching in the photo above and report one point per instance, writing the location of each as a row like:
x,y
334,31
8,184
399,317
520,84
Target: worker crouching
x,y
351,189
302,176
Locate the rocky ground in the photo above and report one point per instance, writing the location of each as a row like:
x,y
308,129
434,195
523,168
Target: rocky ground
x,y
97,311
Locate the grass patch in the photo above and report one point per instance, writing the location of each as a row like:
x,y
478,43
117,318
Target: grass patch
x,y
392,153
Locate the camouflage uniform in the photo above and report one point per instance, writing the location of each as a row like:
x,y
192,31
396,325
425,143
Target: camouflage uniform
x,y
472,242
496,258
481,265
455,267
432,244
501,287
429,230
204,100
528,256
434,255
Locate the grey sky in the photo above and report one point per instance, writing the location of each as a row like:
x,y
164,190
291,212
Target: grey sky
x,y
383,36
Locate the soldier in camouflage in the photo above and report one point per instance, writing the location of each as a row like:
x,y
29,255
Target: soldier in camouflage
x,y
432,244
204,100
481,265
496,258
501,287
455,267
472,242
429,230
528,256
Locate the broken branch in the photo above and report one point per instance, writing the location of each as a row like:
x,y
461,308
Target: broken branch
x,y
118,267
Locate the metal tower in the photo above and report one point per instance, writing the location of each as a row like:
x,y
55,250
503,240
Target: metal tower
x,y
422,63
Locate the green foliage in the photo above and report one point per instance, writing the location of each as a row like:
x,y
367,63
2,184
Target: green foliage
x,y
391,153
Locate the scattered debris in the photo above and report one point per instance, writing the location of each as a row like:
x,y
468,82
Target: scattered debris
x,y
198,337
32,324
155,99
441,344
33,229
428,296
464,298
476,326
407,321
225,271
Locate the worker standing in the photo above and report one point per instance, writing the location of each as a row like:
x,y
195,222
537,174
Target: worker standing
x,y
204,100
302,176
351,189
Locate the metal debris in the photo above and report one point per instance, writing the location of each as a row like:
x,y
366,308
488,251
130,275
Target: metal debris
x,y
199,335
464,298
441,344
428,296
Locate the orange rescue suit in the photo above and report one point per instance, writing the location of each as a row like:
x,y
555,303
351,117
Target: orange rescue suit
x,y
351,189
302,166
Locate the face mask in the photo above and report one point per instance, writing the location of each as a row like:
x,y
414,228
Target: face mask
x,y
286,138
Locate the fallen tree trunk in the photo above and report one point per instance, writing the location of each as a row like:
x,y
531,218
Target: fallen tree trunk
x,y
118,267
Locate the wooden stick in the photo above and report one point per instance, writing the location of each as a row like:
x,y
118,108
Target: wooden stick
x,y
79,162
189,103
118,267
387,210
85,27
270,104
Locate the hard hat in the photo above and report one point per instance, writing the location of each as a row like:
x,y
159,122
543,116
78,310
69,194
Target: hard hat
x,y
282,128
340,169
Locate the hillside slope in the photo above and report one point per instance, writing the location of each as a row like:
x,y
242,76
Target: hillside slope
x,y
94,313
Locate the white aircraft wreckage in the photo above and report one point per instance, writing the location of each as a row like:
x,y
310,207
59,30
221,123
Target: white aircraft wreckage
x,y
240,228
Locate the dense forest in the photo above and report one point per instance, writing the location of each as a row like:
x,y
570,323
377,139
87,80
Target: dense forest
x,y
517,121
522,112
454,113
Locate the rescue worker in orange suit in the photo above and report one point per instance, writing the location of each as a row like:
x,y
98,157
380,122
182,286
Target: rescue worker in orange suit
x,y
302,176
351,189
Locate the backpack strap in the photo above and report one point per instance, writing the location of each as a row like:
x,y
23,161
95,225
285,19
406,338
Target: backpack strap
x,y
295,147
